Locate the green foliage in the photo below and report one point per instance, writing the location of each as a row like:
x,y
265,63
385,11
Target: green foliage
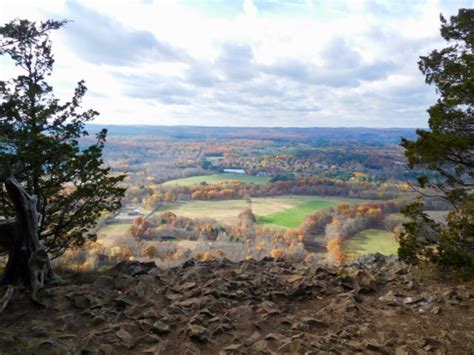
x,y
448,149
371,241
283,177
40,138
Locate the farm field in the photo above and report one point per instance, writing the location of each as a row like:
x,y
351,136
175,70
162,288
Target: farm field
x,y
372,241
294,216
113,233
282,211
210,179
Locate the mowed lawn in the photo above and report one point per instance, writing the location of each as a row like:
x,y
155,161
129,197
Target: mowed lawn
x,y
210,179
113,233
114,228
282,211
372,241
294,216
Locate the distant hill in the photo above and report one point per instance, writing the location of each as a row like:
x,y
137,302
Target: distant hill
x,y
321,135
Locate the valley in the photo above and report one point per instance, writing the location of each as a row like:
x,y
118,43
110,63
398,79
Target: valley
x,y
288,196
236,177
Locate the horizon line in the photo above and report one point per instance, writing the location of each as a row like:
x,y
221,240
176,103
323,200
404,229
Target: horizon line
x,y
254,127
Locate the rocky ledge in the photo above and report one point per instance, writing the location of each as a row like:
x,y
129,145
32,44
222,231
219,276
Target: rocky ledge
x,y
270,306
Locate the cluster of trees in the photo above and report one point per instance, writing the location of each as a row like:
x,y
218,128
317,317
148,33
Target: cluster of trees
x,y
153,195
245,231
169,224
382,163
335,226
347,220
161,159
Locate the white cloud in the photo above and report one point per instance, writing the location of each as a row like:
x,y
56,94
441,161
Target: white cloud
x,y
257,62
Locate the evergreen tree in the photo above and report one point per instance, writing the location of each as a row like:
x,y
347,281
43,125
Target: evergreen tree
x,y
448,149
40,138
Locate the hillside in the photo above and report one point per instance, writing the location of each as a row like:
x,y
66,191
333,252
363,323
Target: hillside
x,y
372,306
327,135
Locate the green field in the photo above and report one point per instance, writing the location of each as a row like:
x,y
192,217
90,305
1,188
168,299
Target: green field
x,y
294,216
114,228
210,179
111,234
372,241
282,211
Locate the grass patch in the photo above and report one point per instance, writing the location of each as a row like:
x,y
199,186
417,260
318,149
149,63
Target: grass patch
x,y
281,211
114,229
212,179
114,234
372,241
294,216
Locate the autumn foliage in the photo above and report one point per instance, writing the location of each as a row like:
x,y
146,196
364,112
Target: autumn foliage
x,y
335,249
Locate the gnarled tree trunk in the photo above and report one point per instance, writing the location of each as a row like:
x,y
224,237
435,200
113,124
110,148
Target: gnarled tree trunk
x,y
28,262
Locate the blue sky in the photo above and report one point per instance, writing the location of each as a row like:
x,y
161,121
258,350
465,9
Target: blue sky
x,y
245,63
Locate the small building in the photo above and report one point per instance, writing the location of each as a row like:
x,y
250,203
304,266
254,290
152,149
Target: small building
x,y
235,171
166,238
135,212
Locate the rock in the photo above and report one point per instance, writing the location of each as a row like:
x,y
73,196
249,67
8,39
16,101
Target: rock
x,y
98,320
186,286
158,349
373,346
188,264
253,338
313,322
366,282
389,298
269,307
222,328
48,347
402,350
412,300
132,268
191,302
354,345
191,349
126,338
104,282
430,344
233,347
160,328
123,282
261,346
294,278
106,349
293,346
412,285
181,311
148,339
173,296
197,333
272,336
262,324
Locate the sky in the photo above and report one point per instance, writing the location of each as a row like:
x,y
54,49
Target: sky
x,y
298,63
